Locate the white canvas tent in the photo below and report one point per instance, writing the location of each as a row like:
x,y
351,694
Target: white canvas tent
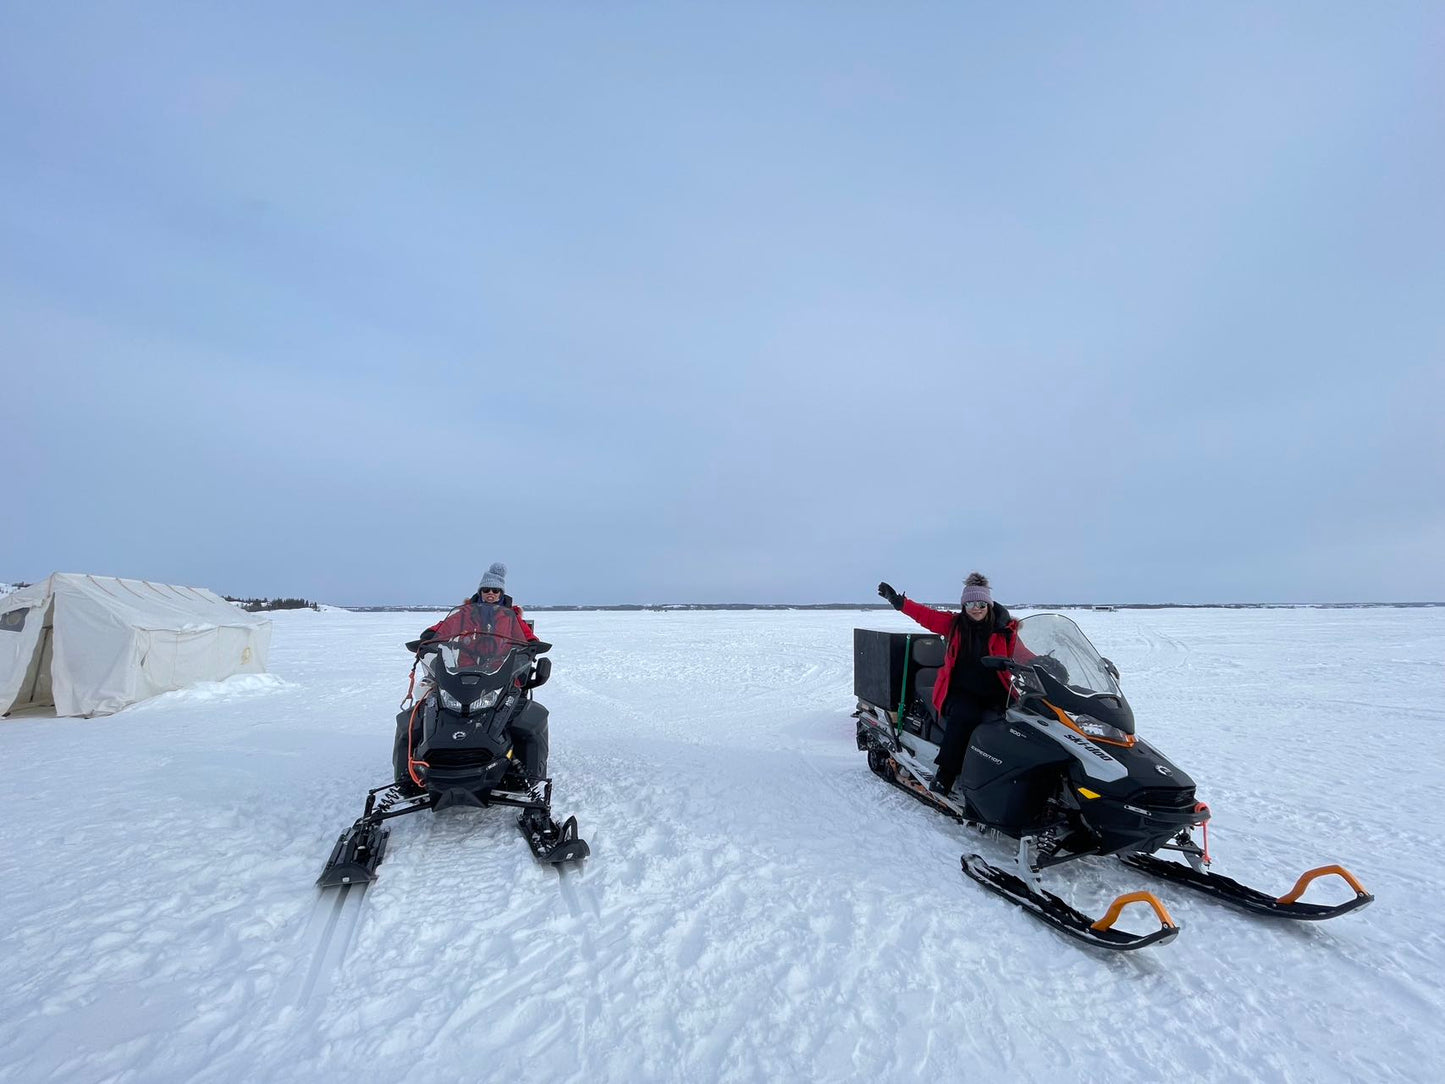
x,y
91,645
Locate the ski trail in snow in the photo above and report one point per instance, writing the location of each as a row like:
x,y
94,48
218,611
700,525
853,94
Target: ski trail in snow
x,y
569,892
581,901
329,934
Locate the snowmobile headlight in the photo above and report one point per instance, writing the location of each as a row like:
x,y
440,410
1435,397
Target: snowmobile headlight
x,y
1096,729
485,700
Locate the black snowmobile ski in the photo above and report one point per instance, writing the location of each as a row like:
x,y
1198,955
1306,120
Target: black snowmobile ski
x,y
552,843
356,855
360,849
1230,891
1061,916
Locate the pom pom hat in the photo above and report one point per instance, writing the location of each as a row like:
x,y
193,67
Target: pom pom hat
x,y
496,578
975,589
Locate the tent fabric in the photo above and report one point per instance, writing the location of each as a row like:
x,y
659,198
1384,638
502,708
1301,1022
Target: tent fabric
x,y
92,645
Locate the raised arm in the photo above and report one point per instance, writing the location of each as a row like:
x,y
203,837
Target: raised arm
x,y
936,621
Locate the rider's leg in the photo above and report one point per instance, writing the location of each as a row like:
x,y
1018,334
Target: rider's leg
x,y
962,718
529,739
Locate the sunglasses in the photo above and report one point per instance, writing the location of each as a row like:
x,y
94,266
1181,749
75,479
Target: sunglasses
x,y
975,605
491,591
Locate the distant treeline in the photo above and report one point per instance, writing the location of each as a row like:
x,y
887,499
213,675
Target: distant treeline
x,y
255,605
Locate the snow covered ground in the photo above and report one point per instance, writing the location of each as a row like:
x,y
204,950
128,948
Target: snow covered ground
x,y
758,906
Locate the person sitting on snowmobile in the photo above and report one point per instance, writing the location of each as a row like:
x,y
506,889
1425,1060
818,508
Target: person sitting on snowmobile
x,y
965,693
491,610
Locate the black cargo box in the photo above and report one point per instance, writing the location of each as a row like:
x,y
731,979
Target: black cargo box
x,y
878,666
878,661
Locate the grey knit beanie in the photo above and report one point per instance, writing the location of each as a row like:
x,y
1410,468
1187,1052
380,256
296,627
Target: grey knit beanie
x,y
496,577
975,589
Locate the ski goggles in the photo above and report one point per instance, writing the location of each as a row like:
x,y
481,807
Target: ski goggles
x,y
975,605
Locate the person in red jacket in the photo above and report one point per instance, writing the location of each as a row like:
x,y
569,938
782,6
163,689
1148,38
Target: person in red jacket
x,y
966,693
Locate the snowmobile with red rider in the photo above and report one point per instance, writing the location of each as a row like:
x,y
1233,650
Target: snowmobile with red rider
x,y
474,736
1059,772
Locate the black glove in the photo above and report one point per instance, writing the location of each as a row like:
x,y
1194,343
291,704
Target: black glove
x,y
895,599
427,634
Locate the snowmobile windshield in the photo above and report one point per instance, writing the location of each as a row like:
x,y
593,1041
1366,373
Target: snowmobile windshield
x,y
484,651
478,636
1053,643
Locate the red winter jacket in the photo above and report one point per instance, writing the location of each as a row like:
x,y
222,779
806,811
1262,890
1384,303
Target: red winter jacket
x,y
1003,640
473,616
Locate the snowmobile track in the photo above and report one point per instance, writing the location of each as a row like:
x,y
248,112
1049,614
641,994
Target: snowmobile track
x,y
330,931
577,895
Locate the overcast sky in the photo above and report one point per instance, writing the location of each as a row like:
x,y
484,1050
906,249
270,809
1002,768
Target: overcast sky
x,y
726,302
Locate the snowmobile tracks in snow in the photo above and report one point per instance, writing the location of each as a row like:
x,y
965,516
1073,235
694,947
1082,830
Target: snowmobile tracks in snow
x,y
329,934
578,896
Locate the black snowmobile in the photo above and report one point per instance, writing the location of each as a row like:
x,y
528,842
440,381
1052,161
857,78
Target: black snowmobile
x,y
1060,772
454,748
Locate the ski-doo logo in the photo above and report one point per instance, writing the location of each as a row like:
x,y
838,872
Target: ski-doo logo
x,y
1163,769
459,735
1084,743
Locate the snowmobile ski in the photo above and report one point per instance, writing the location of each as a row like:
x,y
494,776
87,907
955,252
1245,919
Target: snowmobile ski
x,y
1230,891
360,849
1061,916
355,857
551,843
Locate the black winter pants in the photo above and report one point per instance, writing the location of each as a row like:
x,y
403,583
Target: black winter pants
x,y
961,717
529,740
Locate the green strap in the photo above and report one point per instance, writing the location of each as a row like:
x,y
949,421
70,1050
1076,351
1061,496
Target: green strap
x,y
903,693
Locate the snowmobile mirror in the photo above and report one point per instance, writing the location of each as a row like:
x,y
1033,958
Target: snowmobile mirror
x,y
541,674
1113,670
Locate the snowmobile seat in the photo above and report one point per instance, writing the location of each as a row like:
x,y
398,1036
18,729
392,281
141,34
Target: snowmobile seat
x,y
928,654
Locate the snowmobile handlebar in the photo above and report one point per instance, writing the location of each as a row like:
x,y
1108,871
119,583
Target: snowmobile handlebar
x,y
1001,662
